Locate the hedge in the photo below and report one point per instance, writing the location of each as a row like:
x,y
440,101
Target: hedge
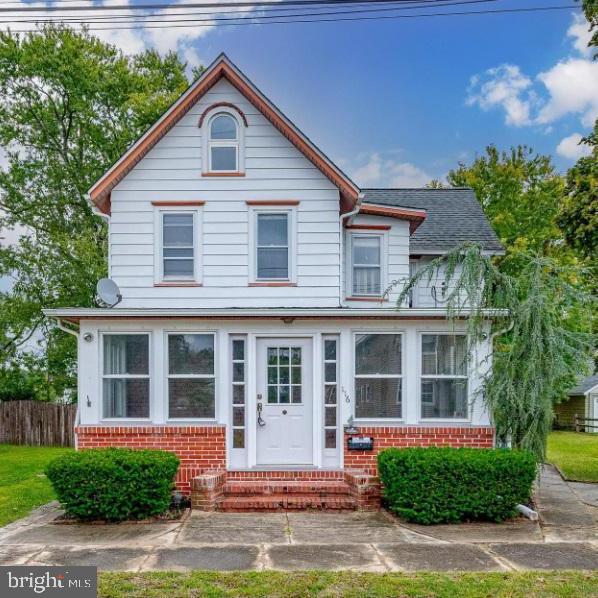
x,y
114,484
447,485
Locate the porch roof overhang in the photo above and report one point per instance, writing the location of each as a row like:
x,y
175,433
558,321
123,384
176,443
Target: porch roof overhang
x,y
77,314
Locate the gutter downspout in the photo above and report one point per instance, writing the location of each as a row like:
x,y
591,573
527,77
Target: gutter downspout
x,y
76,334
343,217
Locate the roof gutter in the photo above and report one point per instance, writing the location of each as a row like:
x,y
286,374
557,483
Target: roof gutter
x,y
345,219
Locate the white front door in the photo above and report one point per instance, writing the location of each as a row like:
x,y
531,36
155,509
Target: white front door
x,y
284,395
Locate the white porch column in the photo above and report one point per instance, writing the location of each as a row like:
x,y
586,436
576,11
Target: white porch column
x,y
411,376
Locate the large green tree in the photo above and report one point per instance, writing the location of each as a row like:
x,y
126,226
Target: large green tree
x,y
590,9
70,105
521,194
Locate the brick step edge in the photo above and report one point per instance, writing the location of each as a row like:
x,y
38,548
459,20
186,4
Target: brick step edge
x,y
284,502
267,488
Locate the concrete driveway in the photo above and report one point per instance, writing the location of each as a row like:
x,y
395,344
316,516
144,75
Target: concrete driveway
x,y
566,538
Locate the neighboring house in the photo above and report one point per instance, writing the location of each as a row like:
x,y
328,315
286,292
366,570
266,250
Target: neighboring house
x,y
253,324
581,401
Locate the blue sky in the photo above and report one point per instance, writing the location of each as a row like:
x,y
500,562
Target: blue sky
x,y
397,102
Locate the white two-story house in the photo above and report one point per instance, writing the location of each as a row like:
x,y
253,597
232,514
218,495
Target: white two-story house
x,y
254,325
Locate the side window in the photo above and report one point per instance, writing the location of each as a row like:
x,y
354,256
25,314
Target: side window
x,y
125,376
223,144
272,252
366,265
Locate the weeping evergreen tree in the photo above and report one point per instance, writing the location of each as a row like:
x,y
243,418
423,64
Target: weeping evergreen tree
x,y
540,332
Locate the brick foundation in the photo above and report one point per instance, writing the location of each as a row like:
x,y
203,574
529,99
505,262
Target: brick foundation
x,y
200,448
404,436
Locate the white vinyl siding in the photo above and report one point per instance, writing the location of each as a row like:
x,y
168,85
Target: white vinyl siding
x,y
274,170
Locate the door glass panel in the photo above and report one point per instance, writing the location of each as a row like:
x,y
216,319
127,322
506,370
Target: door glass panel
x,y
284,380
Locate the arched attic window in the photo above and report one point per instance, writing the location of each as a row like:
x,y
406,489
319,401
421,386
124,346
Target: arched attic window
x,y
223,143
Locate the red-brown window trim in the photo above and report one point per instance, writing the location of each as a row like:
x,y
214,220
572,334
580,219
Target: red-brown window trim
x,y
222,105
223,174
177,284
368,226
272,284
378,299
178,204
272,202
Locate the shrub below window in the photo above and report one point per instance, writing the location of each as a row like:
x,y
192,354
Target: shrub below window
x,y
447,485
114,484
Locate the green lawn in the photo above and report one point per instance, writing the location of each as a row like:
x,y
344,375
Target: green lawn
x,y
575,454
349,584
23,485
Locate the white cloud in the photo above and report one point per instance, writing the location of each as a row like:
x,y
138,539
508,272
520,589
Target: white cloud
x,y
572,86
162,38
570,147
504,86
387,172
581,34
568,88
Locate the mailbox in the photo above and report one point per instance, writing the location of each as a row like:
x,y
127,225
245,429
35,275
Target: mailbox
x,y
360,443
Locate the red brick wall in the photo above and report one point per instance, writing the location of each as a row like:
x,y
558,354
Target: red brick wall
x,y
200,448
384,437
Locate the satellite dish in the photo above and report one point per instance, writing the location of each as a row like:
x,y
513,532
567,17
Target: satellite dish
x,y
108,292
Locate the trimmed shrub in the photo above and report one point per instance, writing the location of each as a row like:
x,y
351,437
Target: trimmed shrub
x,y
114,484
447,485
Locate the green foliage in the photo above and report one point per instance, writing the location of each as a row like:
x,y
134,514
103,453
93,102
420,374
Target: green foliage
x,y
578,217
70,105
114,484
541,333
448,485
590,9
520,193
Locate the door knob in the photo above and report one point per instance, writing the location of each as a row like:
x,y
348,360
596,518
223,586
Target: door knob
x,y
284,411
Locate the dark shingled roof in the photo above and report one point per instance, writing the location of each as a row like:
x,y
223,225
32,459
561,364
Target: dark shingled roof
x,y
453,215
583,386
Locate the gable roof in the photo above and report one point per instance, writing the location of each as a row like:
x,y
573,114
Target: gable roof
x,y
453,216
222,67
583,386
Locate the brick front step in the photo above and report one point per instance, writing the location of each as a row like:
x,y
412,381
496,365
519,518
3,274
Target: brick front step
x,y
284,502
267,487
291,475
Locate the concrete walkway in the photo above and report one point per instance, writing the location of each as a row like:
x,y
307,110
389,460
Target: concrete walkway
x,y
564,539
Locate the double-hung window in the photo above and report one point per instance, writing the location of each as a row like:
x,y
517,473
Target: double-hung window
x,y
125,376
444,376
378,376
366,257
273,246
178,245
191,376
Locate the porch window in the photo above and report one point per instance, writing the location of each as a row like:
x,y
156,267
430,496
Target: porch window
x,y
444,377
191,378
330,392
272,252
378,376
238,392
178,246
366,251
126,380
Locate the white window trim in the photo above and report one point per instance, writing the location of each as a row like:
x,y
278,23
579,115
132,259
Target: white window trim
x,y
102,376
207,142
401,377
383,236
167,376
197,212
421,376
233,383
292,232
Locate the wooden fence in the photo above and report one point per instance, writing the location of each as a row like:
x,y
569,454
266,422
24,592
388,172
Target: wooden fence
x,y
581,424
36,423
